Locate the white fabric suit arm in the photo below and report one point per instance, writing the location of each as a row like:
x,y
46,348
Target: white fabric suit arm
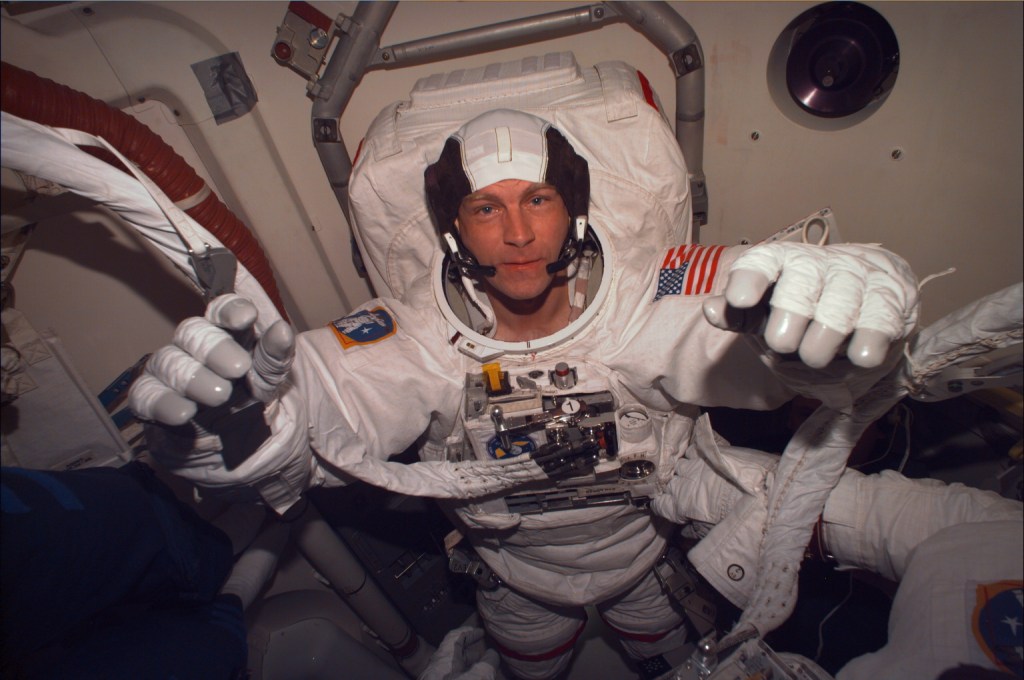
x,y
343,410
875,522
872,522
375,382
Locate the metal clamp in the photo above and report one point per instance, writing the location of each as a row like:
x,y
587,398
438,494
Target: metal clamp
x,y
461,561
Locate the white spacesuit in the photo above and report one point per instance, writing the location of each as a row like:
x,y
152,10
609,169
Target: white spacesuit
x,y
549,450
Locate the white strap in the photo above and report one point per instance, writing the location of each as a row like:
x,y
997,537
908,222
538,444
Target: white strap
x,y
175,216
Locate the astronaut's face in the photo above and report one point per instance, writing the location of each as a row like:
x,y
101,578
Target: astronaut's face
x,y
518,227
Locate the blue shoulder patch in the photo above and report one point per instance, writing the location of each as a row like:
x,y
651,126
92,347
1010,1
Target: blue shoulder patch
x,y
364,327
998,624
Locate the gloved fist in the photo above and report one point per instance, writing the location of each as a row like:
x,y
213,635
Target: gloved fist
x,y
242,439
205,357
818,298
462,656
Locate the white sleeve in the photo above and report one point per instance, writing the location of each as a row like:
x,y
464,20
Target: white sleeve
x,y
872,522
372,395
958,602
875,522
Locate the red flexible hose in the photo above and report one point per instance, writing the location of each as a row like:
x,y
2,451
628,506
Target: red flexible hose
x,y
28,96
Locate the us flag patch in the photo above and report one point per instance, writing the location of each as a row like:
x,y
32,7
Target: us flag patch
x,y
688,270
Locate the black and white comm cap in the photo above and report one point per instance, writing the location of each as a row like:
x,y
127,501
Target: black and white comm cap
x,y
499,145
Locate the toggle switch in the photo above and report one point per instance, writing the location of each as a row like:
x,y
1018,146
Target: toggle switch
x,y
500,429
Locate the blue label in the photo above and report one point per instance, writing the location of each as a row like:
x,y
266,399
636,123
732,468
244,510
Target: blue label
x,y
520,445
364,327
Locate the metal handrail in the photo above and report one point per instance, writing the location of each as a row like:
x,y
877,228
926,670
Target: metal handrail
x,y
358,51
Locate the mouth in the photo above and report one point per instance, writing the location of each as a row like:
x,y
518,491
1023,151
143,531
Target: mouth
x,y
517,266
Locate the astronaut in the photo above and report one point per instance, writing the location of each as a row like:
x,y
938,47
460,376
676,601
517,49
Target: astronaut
x,y
552,377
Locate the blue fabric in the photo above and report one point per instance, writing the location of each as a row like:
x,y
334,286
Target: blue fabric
x,y
64,496
105,574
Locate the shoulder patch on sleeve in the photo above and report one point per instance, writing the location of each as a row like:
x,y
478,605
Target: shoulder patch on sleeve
x,y
364,327
998,623
688,269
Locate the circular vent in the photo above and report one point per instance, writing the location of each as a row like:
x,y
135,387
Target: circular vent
x,y
833,65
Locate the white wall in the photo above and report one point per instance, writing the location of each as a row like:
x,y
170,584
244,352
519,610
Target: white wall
x,y
952,200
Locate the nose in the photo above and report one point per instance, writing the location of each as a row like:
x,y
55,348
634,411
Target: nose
x,y
517,228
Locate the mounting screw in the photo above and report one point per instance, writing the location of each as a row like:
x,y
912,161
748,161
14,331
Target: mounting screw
x,y
599,12
755,135
385,56
896,154
318,38
88,11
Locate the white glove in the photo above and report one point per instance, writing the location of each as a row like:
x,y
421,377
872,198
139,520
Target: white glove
x,y
204,358
823,296
462,656
197,371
